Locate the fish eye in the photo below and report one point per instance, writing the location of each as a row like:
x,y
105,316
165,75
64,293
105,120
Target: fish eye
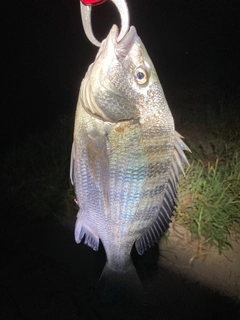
x,y
141,75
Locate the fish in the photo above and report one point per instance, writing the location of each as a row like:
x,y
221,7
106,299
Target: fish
x,y
126,157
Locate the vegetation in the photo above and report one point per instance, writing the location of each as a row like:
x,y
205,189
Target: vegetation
x,y
209,194
36,175
209,200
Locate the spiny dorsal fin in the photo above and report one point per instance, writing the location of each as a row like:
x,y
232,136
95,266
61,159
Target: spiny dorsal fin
x,y
163,219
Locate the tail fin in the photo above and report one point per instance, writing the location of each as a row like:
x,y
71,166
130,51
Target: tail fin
x,y
115,286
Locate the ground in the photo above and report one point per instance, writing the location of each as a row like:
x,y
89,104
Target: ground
x,y
46,275
196,261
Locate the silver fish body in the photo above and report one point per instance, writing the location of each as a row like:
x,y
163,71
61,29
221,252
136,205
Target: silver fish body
x,y
126,154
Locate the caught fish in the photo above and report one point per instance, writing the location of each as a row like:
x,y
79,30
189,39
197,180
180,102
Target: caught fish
x,y
126,155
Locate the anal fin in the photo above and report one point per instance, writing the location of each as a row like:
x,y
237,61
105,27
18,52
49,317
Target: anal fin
x,y
91,240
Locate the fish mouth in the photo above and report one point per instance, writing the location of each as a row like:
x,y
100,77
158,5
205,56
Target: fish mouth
x,y
123,47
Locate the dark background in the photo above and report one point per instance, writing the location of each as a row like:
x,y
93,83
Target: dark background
x,y
45,53
194,46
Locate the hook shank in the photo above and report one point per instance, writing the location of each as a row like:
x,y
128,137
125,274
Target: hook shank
x,y
87,25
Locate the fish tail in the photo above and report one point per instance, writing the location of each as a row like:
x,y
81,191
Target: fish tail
x,y
114,286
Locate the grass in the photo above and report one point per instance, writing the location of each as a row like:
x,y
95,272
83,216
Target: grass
x,y
36,175
209,200
209,195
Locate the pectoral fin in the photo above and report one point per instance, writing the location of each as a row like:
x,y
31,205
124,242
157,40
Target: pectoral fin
x,y
99,165
72,164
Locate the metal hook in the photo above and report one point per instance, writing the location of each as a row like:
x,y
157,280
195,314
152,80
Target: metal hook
x,y
87,25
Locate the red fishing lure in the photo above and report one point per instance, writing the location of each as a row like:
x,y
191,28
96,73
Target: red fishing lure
x,y
92,2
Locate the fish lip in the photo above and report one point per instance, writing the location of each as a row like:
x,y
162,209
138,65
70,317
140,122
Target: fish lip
x,y
123,47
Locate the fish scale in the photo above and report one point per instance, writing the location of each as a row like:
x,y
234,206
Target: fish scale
x,y
126,157
127,162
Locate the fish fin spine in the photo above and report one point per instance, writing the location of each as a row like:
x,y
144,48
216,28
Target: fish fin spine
x,y
81,231
154,233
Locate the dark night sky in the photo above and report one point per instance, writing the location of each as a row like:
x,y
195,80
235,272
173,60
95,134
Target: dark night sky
x,y
46,54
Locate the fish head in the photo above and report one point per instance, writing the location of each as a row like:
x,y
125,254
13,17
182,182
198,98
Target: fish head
x,y
122,83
